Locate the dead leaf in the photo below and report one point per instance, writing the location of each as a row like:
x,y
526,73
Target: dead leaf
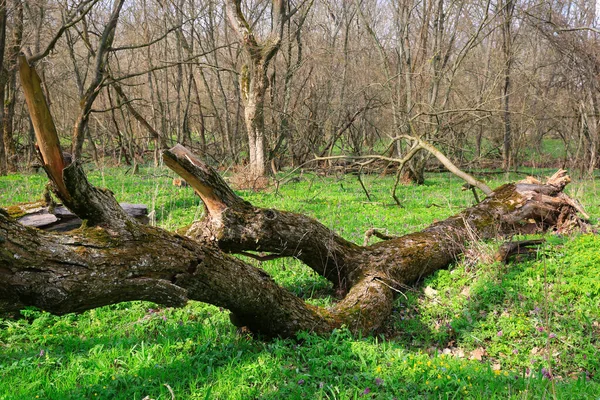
x,y
478,354
430,292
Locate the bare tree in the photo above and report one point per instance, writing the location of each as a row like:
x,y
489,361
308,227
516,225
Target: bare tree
x,y
10,98
507,9
253,75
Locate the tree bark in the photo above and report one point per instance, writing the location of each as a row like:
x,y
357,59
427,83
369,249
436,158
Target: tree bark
x,y
11,87
114,258
95,85
253,77
366,276
507,11
2,80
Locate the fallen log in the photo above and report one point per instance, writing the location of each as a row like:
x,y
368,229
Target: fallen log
x,y
367,277
118,259
114,258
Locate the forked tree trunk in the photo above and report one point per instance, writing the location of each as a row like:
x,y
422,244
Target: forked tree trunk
x,y
114,258
253,77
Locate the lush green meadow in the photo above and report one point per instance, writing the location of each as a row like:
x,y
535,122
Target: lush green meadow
x,y
526,330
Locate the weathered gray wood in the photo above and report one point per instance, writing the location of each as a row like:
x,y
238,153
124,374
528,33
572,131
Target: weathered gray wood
x,y
62,220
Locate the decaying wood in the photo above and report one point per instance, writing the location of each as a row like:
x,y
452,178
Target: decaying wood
x,y
46,135
110,262
114,258
60,219
367,276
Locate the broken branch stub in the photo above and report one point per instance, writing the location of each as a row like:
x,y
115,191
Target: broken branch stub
x,y
212,189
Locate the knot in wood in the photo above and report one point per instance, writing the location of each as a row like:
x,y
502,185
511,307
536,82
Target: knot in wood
x,y
270,215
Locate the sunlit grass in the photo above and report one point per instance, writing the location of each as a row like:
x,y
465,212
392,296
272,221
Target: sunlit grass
x,y
522,330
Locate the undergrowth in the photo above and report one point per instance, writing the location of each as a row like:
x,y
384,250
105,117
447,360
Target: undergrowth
x,y
526,330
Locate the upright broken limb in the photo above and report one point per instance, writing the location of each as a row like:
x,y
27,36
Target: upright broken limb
x,y
43,124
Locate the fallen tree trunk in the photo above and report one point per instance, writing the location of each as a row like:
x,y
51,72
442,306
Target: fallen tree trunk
x,y
366,276
118,260
114,258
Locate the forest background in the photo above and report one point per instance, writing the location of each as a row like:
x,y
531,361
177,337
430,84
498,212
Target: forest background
x,y
272,86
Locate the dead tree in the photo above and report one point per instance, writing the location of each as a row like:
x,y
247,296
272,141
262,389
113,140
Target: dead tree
x,y
113,258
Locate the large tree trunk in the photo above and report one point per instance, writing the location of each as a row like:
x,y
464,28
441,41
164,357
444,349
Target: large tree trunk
x,y
369,275
114,258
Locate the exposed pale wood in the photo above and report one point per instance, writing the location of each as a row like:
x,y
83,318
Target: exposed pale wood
x,y
202,178
43,124
60,219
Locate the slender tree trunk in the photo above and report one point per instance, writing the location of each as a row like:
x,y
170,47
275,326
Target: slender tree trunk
x,y
11,88
202,127
94,87
2,81
2,149
507,10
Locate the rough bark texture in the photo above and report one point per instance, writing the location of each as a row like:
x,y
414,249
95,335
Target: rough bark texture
x,y
253,76
11,87
114,258
368,275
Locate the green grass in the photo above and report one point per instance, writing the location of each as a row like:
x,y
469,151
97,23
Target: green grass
x,y
526,321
